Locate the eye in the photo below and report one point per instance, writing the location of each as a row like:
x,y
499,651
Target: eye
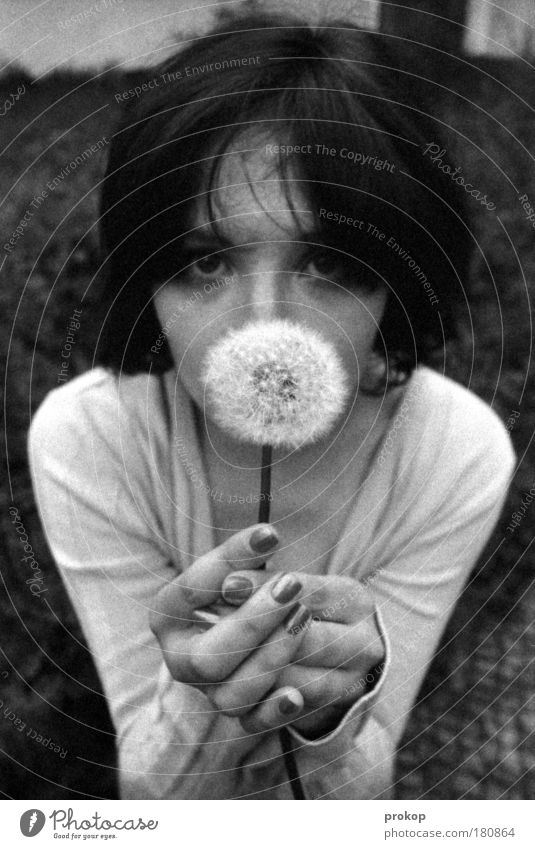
x,y
198,264
343,270
325,263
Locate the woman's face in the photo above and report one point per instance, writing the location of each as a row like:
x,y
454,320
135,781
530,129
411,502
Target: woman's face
x,y
271,265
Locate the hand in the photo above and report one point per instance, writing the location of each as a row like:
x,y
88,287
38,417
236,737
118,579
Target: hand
x,y
341,645
248,664
238,661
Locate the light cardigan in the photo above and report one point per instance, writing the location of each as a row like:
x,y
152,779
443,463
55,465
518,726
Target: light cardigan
x,y
122,493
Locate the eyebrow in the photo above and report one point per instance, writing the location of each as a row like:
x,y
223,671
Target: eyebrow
x,y
209,240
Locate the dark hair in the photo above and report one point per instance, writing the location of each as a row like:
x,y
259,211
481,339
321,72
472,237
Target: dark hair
x,y
329,85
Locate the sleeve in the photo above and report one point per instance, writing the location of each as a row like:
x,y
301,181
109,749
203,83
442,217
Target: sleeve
x,y
371,684
170,743
427,558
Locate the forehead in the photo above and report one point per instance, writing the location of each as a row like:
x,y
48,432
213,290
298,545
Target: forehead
x,y
251,200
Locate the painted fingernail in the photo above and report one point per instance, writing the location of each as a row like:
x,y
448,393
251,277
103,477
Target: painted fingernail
x,y
287,706
298,619
263,539
237,589
286,588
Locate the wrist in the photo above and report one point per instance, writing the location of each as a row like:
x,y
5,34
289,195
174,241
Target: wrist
x,y
320,722
323,721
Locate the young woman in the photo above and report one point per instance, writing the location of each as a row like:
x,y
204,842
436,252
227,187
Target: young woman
x,y
269,173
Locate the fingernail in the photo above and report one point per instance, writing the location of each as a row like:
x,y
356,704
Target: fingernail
x,y
237,589
286,588
287,706
263,539
298,619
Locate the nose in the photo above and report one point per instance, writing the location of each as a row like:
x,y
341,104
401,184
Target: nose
x,y
266,294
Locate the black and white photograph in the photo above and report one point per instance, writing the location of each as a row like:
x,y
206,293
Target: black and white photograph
x,y
266,276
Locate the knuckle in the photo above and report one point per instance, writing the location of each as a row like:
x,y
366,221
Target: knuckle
x,y
264,717
262,720
251,630
193,595
228,701
317,691
251,725
177,665
320,597
373,650
161,610
156,623
235,549
204,666
187,590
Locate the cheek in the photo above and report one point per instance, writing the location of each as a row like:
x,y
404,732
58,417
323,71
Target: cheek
x,y
171,314
178,315
188,354
196,306
359,324
189,333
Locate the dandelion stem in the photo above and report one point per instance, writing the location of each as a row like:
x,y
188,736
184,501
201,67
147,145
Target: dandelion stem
x,y
265,484
263,516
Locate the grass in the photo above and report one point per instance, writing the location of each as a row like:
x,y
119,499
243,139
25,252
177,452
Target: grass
x,y
466,721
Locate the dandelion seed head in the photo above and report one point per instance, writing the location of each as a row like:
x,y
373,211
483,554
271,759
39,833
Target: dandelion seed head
x,y
275,382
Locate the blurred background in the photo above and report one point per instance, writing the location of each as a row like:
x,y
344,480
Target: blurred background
x,y
470,65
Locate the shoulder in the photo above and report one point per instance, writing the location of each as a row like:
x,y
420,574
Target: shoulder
x,y
456,412
70,398
94,407
453,428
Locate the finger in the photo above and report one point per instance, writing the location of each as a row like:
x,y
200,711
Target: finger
x,y
217,653
200,585
331,644
257,675
337,598
280,708
329,597
239,586
321,687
